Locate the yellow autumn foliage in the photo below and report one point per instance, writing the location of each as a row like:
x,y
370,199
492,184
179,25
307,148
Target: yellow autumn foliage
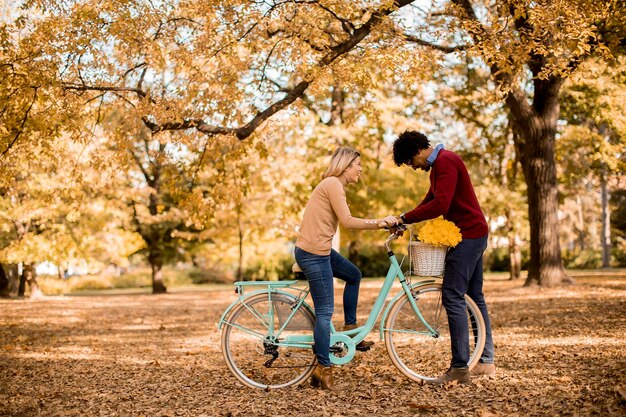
x,y
439,232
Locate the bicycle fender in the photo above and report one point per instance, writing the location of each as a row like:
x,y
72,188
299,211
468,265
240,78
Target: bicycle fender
x,y
252,294
393,301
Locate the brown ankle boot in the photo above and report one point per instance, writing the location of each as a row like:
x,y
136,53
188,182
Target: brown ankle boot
x,y
363,345
484,369
461,375
323,375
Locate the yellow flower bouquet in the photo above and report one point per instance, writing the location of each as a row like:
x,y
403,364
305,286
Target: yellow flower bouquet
x,y
439,232
427,256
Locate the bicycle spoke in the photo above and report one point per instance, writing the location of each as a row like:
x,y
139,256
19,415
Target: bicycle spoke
x,y
258,315
247,330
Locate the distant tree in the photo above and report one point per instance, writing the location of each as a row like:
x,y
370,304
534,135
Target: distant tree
x,y
618,225
590,150
61,210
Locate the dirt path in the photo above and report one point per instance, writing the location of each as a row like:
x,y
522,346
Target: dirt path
x,y
560,352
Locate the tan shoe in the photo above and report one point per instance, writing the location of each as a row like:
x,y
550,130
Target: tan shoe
x,y
484,369
323,375
461,375
363,345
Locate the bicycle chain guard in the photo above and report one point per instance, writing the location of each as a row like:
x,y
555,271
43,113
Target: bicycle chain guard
x,y
342,349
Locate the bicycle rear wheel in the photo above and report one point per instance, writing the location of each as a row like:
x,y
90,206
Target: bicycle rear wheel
x,y
254,355
413,349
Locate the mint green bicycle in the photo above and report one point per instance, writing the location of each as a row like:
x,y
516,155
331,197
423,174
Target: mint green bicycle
x,y
267,333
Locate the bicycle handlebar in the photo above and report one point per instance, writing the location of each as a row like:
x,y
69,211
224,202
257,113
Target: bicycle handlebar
x,y
394,233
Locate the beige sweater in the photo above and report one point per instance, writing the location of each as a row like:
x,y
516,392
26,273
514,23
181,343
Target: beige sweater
x,y
326,208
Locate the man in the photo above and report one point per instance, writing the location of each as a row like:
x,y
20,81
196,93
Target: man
x,y
452,196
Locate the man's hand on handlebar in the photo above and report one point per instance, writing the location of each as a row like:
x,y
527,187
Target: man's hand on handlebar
x,y
388,222
398,230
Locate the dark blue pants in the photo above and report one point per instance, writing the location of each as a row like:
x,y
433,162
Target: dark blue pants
x,y
319,271
464,275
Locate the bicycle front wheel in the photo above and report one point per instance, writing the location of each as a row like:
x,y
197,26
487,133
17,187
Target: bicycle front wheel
x,y
419,353
254,352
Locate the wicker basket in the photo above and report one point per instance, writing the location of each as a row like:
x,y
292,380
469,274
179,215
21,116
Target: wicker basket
x,y
427,260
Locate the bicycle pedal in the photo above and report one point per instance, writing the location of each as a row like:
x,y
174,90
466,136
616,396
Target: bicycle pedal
x,y
363,348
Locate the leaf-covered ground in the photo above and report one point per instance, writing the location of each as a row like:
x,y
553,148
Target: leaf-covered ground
x,y
560,352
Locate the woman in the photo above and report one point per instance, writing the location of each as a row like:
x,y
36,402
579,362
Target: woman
x,y
320,263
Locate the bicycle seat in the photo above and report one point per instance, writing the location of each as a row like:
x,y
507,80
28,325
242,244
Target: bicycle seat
x,y
297,271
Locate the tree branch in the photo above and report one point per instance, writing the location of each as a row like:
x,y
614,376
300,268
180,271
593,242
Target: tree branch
x,y
516,99
243,132
293,94
86,87
141,78
143,170
128,71
267,61
7,101
21,129
200,162
306,100
442,48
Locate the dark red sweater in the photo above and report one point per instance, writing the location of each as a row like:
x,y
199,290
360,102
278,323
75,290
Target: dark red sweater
x,y
452,196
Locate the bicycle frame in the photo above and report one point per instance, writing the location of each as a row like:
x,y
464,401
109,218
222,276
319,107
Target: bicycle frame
x,y
348,338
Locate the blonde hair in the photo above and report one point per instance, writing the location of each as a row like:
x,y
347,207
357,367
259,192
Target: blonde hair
x,y
341,159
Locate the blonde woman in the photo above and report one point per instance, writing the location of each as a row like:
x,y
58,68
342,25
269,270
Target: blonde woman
x,y
326,209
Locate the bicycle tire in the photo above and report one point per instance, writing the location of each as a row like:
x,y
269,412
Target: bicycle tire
x,y
413,349
247,346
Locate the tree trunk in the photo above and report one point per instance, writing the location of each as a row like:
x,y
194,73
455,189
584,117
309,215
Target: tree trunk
x,y
156,263
337,105
21,289
240,261
155,235
13,276
605,235
580,223
4,283
538,163
515,257
537,127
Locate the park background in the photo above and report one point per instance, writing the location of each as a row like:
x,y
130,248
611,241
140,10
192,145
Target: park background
x,y
165,146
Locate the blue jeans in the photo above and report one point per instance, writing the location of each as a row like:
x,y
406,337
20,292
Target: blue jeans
x,y
464,275
319,271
